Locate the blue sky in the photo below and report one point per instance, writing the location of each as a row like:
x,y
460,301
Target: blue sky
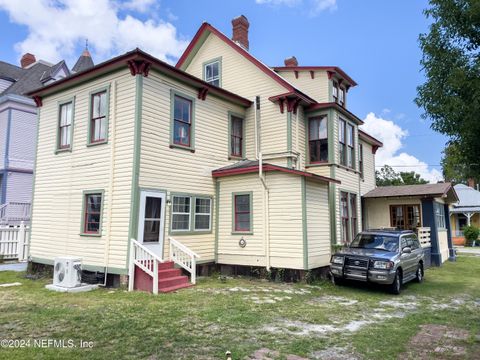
x,y
374,41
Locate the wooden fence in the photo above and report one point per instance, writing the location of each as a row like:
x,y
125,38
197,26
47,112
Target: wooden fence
x,y
14,242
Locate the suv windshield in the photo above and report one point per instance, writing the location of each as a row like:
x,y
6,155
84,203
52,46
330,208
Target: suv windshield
x,y
372,241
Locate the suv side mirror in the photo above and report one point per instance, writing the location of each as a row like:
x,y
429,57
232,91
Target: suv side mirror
x,y
407,250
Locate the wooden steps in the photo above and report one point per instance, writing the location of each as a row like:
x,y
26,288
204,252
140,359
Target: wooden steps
x,y
169,279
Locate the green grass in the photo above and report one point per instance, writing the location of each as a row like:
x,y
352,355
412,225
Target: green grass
x,y
205,321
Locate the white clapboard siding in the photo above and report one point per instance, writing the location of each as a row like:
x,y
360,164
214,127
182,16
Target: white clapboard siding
x,y
316,88
177,170
61,178
318,224
242,77
368,182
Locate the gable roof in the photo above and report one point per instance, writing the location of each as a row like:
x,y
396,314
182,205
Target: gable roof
x,y
369,138
10,71
122,61
423,190
31,78
249,167
200,37
50,74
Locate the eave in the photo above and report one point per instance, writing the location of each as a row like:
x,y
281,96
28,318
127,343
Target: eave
x,y
139,62
335,70
290,101
269,167
376,144
333,105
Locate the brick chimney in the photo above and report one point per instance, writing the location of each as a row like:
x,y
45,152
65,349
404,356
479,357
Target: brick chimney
x,y
471,183
291,61
240,27
27,59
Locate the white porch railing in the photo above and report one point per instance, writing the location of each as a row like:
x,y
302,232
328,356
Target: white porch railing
x,y
13,213
14,242
146,260
423,234
183,256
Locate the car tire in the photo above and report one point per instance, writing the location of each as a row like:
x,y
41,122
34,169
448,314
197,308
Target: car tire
x,y
420,274
338,281
396,286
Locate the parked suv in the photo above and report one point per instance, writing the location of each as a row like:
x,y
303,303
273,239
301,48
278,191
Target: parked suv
x,y
390,257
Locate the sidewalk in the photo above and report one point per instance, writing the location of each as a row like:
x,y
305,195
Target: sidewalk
x,y
468,250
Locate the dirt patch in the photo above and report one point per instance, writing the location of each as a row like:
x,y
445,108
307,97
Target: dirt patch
x,y
335,353
437,341
332,300
267,354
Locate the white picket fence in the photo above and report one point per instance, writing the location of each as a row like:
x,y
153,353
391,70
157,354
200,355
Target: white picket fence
x,y
14,242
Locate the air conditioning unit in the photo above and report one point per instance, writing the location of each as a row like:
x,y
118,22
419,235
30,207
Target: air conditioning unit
x,y
67,272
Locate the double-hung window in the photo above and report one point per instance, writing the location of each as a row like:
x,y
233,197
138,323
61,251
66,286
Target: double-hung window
x,y
98,117
65,126
335,91
318,139
341,96
191,213
181,213
212,73
405,217
182,121
360,160
242,217
342,125
440,215
348,213
92,205
236,136
203,214
350,147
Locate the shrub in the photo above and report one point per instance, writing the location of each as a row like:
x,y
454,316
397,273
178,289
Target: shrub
x,y
471,234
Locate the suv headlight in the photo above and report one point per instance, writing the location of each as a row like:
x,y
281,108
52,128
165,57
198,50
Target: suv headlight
x,y
337,260
385,265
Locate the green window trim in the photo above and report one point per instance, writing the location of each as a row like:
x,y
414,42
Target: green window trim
x,y
235,232
57,140
355,143
209,62
82,222
237,115
190,148
107,115
315,114
349,193
191,230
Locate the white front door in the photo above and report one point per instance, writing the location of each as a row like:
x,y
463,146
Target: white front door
x,y
151,221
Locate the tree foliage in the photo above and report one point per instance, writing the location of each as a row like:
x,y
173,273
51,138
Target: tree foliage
x,y
386,176
450,96
454,166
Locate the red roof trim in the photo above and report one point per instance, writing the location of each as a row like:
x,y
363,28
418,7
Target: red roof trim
x,y
341,109
307,99
335,69
268,71
137,55
269,167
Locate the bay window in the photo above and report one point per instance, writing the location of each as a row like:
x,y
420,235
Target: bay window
x,y
346,139
342,125
350,148
318,139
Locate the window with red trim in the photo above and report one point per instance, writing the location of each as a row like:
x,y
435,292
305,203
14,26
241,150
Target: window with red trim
x,y
335,91
65,126
98,117
182,121
345,217
318,139
236,136
92,216
242,216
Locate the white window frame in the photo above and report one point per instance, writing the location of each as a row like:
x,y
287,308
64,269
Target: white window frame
x,y
189,213
203,214
213,78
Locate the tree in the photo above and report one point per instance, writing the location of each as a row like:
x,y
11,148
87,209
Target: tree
x,y
454,166
450,96
389,177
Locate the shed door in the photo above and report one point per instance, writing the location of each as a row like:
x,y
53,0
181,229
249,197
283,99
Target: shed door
x,y
151,221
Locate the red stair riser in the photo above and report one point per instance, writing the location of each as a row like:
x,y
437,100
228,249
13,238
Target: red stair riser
x,y
164,283
164,274
173,288
166,265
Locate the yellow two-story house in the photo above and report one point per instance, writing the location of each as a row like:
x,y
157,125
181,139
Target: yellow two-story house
x,y
220,159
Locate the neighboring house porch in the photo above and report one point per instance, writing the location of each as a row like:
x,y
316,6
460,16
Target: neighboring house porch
x,y
464,213
414,207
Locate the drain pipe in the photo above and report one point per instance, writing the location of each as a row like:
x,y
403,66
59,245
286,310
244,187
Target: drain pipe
x,y
113,101
266,212
257,132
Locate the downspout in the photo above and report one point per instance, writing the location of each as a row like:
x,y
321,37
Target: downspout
x,y
266,212
257,132
113,101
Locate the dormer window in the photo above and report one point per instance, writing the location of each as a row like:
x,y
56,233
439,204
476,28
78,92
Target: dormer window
x,y
212,72
341,98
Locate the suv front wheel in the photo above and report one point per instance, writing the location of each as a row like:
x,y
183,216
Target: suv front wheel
x,y
396,286
420,274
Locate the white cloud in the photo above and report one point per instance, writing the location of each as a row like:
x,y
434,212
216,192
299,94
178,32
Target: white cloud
x,y
55,28
392,136
138,5
315,6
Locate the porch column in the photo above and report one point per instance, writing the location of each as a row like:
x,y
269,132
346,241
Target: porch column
x,y
451,251
469,217
428,219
